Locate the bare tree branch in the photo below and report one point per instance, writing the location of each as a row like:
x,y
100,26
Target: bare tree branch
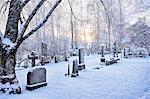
x,y
24,3
74,14
4,5
43,22
108,19
30,18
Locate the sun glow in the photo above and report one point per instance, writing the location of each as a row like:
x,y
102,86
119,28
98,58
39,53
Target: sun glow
x,y
87,34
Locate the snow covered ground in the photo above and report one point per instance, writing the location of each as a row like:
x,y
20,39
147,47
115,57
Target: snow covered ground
x,y
128,79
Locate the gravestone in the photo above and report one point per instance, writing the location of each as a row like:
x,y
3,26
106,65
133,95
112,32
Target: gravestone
x,y
129,52
75,69
124,53
33,58
68,70
36,78
102,57
81,65
114,50
56,60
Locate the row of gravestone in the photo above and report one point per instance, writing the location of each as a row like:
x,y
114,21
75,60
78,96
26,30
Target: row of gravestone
x,y
43,61
112,60
131,54
36,77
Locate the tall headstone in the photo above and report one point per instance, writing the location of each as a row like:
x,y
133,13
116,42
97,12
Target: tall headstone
x,y
75,69
36,78
102,52
81,65
124,53
114,50
33,57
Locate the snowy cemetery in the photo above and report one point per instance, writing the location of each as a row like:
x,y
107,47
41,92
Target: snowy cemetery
x,y
74,49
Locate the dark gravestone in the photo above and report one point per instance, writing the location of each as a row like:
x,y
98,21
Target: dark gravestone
x,y
56,60
124,53
75,69
81,65
36,78
102,57
33,58
114,50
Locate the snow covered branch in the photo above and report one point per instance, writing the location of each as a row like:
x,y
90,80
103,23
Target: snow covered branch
x,y
4,5
30,18
24,3
43,22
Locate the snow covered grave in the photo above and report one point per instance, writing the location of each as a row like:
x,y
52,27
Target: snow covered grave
x,y
36,78
129,79
81,65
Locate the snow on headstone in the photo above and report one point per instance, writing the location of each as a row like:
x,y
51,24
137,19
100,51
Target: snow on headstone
x,y
36,78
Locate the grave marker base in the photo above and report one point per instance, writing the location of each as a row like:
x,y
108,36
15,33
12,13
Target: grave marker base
x,y
103,60
36,86
81,66
74,75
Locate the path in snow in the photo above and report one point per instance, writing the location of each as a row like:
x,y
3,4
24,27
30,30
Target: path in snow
x,y
128,79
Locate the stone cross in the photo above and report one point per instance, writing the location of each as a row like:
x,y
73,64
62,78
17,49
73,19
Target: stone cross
x,y
33,58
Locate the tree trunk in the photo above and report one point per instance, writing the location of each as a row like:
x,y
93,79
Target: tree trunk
x,y
8,80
